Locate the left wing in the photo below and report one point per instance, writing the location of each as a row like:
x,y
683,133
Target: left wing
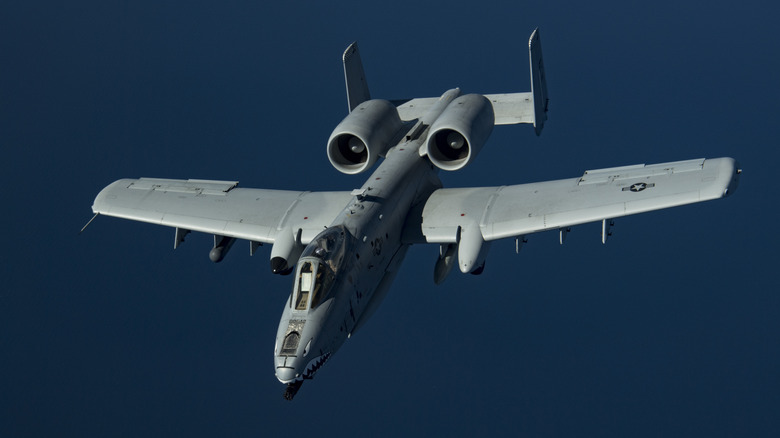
x,y
221,208
507,211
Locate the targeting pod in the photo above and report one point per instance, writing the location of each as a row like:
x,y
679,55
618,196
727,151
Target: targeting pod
x,y
445,262
222,245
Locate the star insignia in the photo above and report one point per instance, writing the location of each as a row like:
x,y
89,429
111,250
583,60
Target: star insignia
x,y
638,187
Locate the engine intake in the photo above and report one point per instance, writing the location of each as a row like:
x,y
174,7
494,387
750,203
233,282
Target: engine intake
x,y
363,136
460,132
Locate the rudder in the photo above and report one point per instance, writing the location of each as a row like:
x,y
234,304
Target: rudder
x,y
538,81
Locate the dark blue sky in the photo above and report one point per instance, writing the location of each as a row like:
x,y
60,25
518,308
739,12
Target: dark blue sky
x,y
671,329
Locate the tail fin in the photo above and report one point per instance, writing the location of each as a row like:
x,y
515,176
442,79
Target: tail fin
x,y
538,81
527,107
511,108
355,77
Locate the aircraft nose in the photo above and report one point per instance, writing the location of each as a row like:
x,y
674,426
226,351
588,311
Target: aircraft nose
x,y
285,374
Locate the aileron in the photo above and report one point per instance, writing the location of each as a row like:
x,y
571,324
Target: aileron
x,y
600,176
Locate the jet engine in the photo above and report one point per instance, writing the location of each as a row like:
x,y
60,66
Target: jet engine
x,y
363,136
461,130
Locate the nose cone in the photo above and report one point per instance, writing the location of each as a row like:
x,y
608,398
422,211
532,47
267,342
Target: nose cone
x,y
285,374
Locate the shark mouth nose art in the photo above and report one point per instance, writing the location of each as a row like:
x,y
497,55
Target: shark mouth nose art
x,y
294,384
286,374
312,367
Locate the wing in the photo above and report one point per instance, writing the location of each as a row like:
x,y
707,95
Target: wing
x,y
509,211
221,208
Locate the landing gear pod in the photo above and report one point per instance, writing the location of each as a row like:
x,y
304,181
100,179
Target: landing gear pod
x,y
461,130
472,251
286,251
363,136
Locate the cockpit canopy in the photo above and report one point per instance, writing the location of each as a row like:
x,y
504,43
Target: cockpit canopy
x,y
317,268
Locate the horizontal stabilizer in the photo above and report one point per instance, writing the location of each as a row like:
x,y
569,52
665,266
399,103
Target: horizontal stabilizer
x,y
508,108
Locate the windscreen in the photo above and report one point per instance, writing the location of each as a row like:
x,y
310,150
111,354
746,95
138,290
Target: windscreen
x,y
318,266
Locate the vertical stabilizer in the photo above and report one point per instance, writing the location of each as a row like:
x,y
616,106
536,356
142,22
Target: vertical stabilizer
x,y
538,81
355,77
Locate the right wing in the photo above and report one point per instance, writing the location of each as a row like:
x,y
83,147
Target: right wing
x,y
220,208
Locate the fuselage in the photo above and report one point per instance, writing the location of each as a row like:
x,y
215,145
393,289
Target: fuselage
x,y
345,272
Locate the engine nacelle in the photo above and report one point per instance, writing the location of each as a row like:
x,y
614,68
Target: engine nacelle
x,y
363,136
461,130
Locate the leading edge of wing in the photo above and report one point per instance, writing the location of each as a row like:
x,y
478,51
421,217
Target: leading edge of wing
x,y
516,210
220,208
